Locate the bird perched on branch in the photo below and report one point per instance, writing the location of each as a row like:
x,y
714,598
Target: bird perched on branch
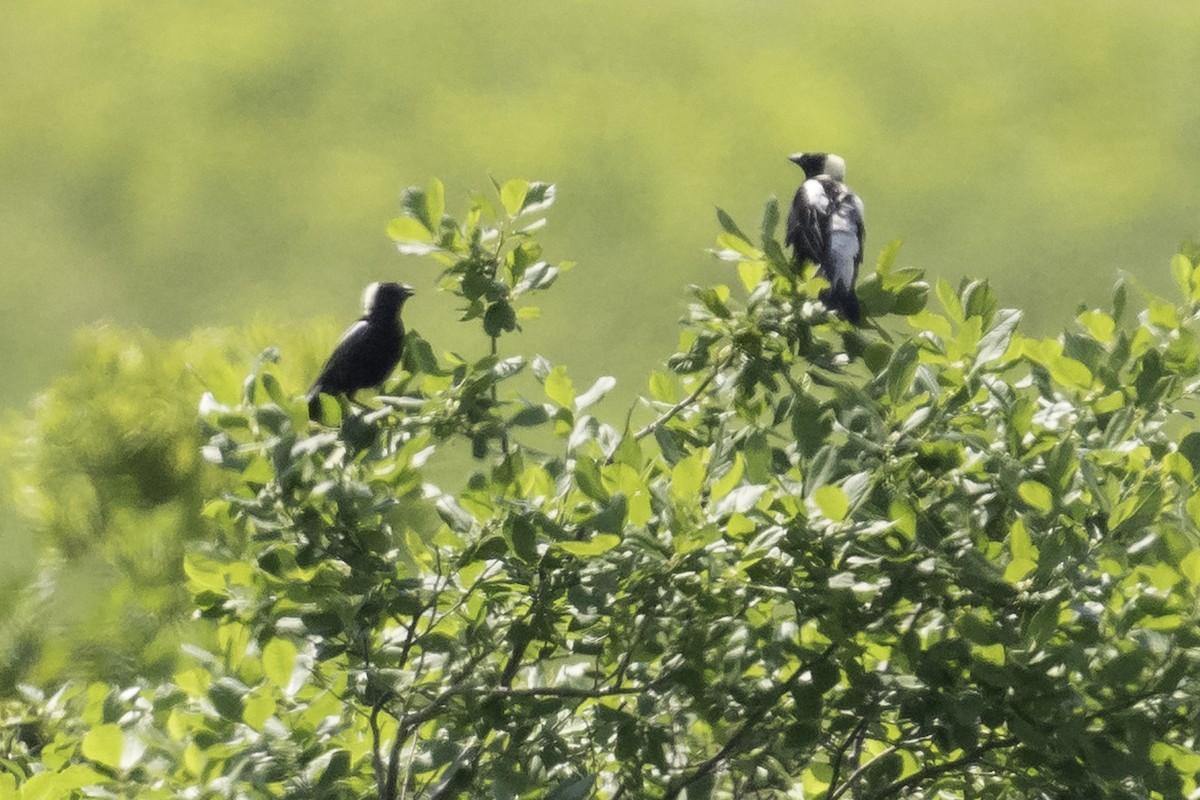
x,y
369,349
825,226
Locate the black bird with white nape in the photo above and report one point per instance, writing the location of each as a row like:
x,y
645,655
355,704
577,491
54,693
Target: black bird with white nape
x,y
369,349
825,226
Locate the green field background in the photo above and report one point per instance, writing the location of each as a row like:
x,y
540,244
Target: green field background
x,y
179,165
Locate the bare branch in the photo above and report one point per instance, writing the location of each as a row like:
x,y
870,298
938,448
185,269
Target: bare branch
x,y
841,751
566,691
734,744
853,778
687,401
897,787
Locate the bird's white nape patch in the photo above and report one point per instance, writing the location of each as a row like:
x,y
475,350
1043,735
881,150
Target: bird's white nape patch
x,y
835,167
814,195
369,293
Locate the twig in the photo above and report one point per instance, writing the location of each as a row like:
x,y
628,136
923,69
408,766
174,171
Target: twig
x,y
896,787
687,401
841,751
446,784
376,753
566,691
707,767
853,777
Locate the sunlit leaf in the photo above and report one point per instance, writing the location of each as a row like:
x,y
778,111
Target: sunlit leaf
x,y
1037,495
512,195
595,393
559,388
279,659
598,544
832,502
105,744
687,477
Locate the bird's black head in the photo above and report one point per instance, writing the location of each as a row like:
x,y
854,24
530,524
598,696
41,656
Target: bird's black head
x,y
385,299
815,164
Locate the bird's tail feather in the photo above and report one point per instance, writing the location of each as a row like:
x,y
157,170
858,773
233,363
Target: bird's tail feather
x,y
314,404
844,302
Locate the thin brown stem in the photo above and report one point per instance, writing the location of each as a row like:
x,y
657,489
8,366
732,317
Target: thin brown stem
x,y
840,754
853,777
687,401
898,787
744,731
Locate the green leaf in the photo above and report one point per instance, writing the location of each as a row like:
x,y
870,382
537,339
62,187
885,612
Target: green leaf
x,y
770,220
832,501
539,197
736,244
259,707
574,789
758,458
663,388
1190,567
901,370
994,343
228,697
739,500
499,318
687,477
904,515
512,195
1181,271
1070,372
949,300
595,394
1162,314
714,299
274,390
587,477
887,257
435,204
1036,495
559,388
1101,326
279,659
1024,554
454,515
751,273
1019,543
730,226
105,744
690,539
730,479
414,205
599,544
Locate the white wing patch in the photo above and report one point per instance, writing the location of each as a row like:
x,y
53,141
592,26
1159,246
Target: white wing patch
x,y
353,329
815,196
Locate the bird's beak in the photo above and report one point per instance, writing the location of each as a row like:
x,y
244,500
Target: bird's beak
x,y
796,157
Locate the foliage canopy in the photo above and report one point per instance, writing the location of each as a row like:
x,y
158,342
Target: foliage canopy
x,y
930,558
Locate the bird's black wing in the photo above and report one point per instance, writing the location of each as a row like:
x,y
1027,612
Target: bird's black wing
x,y
808,221
337,375
843,254
861,225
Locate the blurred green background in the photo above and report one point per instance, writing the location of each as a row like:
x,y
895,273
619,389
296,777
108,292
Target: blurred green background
x,y
174,165
213,178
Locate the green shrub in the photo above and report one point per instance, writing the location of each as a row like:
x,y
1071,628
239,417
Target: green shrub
x,y
930,559
102,491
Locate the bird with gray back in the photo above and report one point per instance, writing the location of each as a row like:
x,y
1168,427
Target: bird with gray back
x,y
369,349
825,226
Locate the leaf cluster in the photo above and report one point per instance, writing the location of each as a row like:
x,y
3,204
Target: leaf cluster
x,y
930,557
